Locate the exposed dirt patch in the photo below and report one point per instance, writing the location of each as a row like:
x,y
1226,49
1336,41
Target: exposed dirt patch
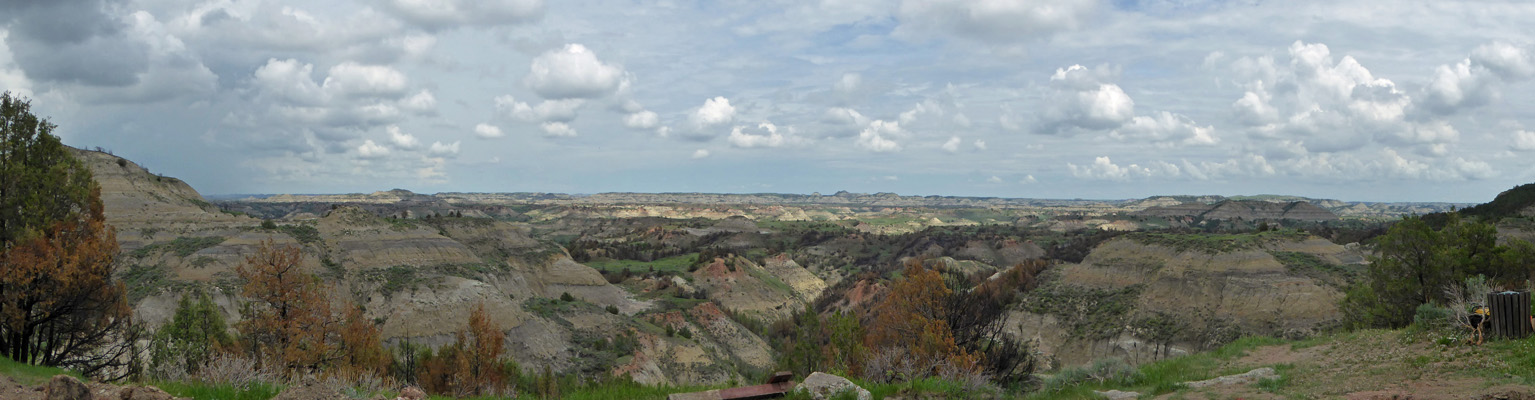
x,y
1272,355
9,389
1446,389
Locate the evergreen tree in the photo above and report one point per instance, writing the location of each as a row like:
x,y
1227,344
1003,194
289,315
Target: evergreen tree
x,y
58,303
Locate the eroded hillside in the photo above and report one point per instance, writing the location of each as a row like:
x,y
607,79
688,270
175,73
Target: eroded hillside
x,y
693,292
1144,297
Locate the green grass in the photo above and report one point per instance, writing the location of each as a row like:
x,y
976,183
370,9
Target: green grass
x,y
1215,243
1519,355
200,391
393,279
1089,312
772,281
614,389
302,233
146,280
921,388
1167,375
626,389
181,246
28,374
674,264
888,221
1314,267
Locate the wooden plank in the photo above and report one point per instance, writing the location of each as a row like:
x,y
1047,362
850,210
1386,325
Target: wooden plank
x,y
1510,315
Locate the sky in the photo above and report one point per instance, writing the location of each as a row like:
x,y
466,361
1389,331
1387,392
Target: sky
x,y
1355,100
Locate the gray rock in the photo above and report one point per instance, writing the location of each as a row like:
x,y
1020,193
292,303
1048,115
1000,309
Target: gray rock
x,y
1239,379
1117,395
144,393
411,393
65,387
824,386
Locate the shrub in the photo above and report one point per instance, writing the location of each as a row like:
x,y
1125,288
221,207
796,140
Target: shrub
x,y
190,339
1114,370
1432,317
566,297
1106,371
268,224
685,333
612,309
1065,378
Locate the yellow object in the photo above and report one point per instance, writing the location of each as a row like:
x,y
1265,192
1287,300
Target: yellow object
x,y
1483,311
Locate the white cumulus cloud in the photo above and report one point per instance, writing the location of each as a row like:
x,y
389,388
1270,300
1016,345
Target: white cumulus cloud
x,y
1103,168
573,72
355,79
422,102
369,150
715,112
563,110
401,140
1506,60
1166,129
952,145
1524,140
1083,100
488,131
993,21
767,136
875,137
442,14
443,150
642,120
558,129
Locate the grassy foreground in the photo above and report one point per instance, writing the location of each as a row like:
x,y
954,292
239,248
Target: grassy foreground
x,y
1407,361
1385,362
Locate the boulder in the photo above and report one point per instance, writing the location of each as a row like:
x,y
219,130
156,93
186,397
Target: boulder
x,y
144,393
411,393
1239,379
823,386
65,387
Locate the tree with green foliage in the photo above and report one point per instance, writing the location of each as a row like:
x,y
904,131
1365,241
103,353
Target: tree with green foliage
x,y
192,336
805,356
1415,264
58,303
844,350
1410,267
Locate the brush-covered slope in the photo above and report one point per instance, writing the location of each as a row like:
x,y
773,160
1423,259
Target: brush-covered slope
x,y
420,278
771,291
1149,296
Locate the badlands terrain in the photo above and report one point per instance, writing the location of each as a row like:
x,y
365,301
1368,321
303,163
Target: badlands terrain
x,y
1138,279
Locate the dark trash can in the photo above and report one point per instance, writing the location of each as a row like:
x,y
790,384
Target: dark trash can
x,y
1510,315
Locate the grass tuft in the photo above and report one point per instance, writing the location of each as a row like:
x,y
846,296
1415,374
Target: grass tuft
x,y
202,391
28,374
